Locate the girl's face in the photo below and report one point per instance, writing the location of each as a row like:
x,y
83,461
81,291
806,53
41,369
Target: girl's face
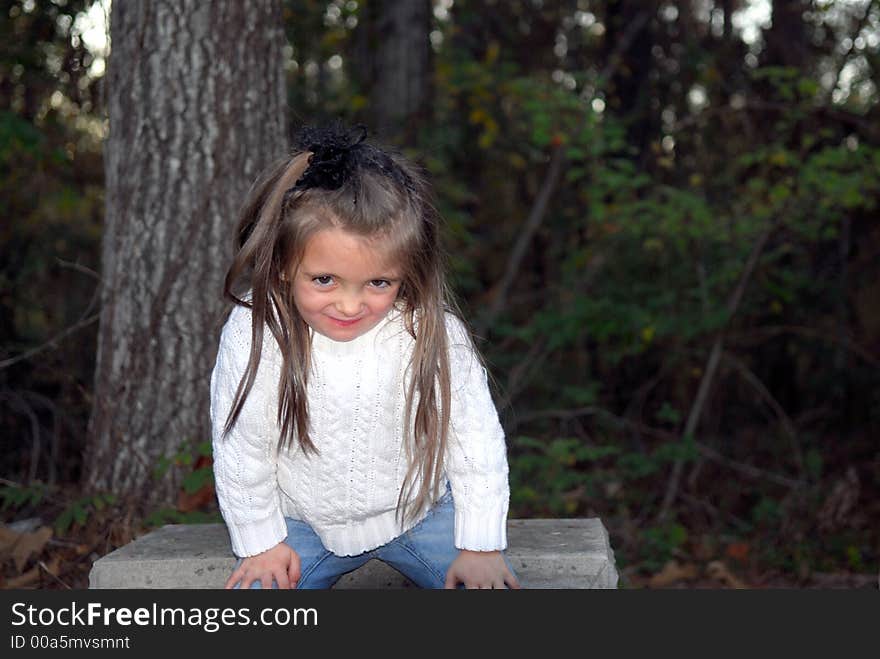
x,y
344,286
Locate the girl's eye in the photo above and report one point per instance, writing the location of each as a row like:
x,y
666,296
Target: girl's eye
x,y
323,280
380,283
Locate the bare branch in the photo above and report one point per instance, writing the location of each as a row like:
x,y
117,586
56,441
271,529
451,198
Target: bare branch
x,y
748,470
621,46
51,343
712,365
84,321
79,268
712,510
58,416
52,574
835,113
705,450
784,419
522,372
771,330
18,403
539,209
530,227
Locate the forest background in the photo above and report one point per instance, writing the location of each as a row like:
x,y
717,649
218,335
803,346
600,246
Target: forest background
x,y
661,221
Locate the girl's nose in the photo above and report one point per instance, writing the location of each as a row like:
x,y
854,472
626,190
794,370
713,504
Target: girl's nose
x,y
348,305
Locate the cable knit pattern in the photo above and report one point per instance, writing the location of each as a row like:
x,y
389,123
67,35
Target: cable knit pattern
x,y
356,397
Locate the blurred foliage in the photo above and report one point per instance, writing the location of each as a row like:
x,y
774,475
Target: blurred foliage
x,y
51,202
682,144
70,511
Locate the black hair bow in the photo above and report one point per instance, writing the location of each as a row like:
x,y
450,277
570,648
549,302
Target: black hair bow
x,y
335,152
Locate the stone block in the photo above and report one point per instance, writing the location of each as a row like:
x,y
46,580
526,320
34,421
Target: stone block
x,y
545,553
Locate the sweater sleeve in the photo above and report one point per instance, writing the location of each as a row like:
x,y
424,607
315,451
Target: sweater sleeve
x,y
245,458
476,454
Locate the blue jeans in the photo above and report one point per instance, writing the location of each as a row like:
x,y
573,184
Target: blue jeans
x,y
423,554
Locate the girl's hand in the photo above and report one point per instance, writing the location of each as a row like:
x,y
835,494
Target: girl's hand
x,y
280,563
480,569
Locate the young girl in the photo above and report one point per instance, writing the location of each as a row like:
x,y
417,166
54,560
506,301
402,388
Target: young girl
x,y
351,413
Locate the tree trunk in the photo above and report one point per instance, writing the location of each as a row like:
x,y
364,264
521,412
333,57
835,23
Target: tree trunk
x,y
787,41
630,88
400,92
196,109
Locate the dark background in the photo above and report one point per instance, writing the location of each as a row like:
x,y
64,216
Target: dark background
x,y
662,222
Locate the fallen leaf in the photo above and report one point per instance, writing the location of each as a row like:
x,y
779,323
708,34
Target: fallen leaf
x,y
30,544
205,495
188,502
671,573
25,579
738,551
8,538
20,546
53,568
720,572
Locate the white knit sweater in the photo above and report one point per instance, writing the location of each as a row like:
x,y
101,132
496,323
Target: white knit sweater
x,y
356,397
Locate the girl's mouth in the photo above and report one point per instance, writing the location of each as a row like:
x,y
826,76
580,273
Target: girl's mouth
x,y
344,323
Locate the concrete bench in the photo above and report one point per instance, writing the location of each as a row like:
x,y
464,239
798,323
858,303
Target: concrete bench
x,y
545,553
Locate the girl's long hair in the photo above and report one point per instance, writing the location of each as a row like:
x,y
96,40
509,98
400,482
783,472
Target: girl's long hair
x,y
273,229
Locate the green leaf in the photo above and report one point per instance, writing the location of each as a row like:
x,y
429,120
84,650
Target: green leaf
x,y
64,520
668,413
80,513
197,480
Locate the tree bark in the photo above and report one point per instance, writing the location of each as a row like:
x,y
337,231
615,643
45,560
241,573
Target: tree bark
x,y
196,103
787,41
629,90
399,95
